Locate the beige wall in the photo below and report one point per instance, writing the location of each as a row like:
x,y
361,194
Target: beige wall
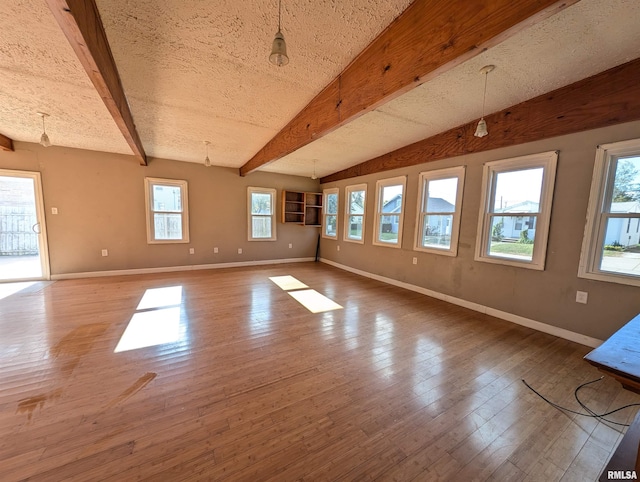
x,y
547,296
100,201
100,198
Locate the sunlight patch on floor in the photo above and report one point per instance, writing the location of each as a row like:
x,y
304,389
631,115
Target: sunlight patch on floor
x,y
160,298
288,282
151,328
314,301
8,289
156,320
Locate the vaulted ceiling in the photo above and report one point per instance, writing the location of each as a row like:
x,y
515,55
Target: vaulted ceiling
x,y
194,70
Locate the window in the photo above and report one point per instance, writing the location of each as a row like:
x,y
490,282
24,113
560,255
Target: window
x,y
167,213
611,246
261,216
515,210
354,213
439,205
330,204
389,211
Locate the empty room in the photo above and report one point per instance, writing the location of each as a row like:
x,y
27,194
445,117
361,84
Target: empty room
x,y
290,240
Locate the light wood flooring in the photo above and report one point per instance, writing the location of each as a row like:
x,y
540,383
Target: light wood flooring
x,y
394,386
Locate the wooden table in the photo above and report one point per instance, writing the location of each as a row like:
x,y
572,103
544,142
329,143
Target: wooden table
x,y
619,357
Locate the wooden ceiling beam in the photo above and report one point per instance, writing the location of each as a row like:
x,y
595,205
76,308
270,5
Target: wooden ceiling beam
x,y
609,98
6,144
80,21
429,38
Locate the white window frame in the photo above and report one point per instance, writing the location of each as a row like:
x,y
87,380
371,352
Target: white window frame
x,y
348,214
250,215
601,191
382,183
149,182
546,160
325,205
425,178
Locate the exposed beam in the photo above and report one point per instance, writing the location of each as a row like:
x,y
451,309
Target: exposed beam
x,y
6,144
428,39
80,22
609,98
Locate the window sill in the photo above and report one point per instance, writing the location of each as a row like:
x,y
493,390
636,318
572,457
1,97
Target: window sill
x,y
610,278
443,252
510,262
386,245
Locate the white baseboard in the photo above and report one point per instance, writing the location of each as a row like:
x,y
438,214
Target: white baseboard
x,y
520,320
170,269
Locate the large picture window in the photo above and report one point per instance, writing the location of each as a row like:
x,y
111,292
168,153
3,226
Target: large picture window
x,y
354,213
261,215
389,211
611,246
167,213
330,210
439,203
515,210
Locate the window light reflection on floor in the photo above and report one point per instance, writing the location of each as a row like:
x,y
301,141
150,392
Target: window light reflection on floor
x,y
314,301
156,320
288,282
9,289
160,298
151,328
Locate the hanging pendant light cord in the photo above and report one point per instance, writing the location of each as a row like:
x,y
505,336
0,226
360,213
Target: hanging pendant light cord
x,y
484,96
43,128
279,13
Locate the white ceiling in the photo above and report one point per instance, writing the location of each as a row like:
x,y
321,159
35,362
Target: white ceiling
x,y
198,70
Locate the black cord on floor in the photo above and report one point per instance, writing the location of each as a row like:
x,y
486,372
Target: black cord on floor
x,y
590,413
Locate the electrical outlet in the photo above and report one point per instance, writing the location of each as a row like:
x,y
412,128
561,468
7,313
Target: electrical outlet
x,y
215,250
290,245
582,297
54,210
338,247
105,252
415,260
239,250
192,250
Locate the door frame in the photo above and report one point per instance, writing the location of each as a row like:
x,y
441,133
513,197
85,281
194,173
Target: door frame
x,y
43,246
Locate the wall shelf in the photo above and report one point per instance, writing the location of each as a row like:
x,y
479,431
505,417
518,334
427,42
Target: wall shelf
x,y
304,208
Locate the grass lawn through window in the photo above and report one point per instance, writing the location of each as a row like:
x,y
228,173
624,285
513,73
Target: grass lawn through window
x,y
514,249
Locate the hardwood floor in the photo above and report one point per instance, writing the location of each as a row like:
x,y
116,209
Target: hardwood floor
x,y
394,386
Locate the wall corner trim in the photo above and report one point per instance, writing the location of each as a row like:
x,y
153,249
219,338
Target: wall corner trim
x,y
503,315
170,269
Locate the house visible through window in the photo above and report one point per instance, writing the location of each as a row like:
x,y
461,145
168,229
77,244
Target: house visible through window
x,y
330,206
261,216
439,210
611,248
167,213
515,210
355,212
389,211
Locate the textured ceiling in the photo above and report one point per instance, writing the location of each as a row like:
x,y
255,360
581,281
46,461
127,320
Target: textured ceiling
x,y
40,72
198,70
570,46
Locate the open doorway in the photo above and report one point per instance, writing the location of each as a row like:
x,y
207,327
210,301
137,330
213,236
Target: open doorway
x,y
23,241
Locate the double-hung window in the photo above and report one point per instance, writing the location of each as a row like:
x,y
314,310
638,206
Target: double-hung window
x,y
167,213
611,246
389,211
261,214
354,213
439,203
515,210
330,210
